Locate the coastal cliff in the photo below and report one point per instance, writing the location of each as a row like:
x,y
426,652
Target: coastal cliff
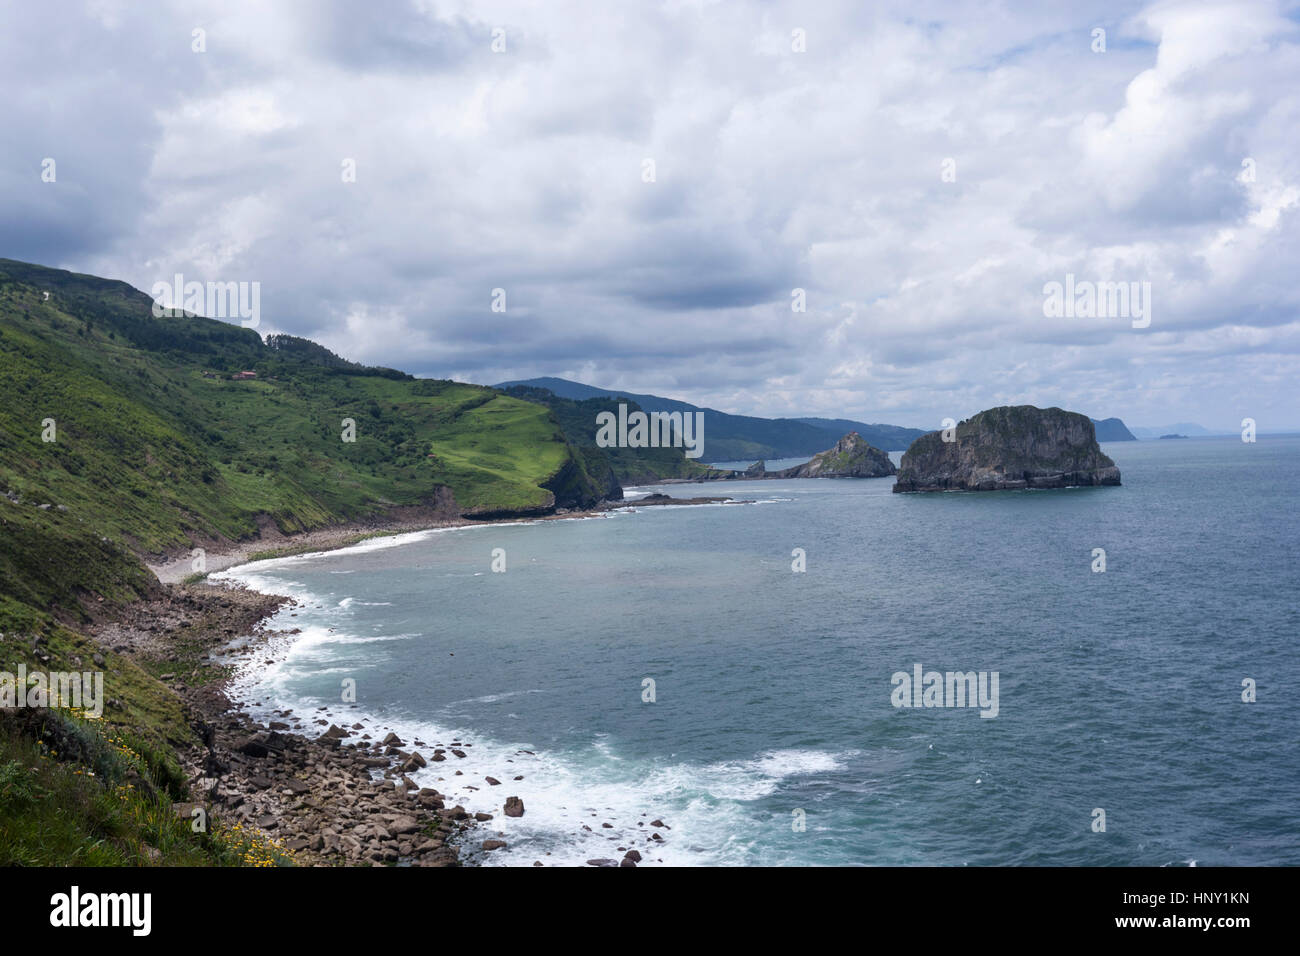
x,y
1009,448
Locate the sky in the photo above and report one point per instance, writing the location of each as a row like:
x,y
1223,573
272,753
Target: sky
x,y
654,187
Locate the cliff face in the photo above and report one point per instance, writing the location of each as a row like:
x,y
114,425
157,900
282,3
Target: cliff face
x,y
851,457
1009,448
574,486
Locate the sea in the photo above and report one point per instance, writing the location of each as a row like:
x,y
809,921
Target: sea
x,y
736,671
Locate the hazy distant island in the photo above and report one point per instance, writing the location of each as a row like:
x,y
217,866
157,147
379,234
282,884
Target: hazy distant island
x,y
1008,448
1186,429
1162,437
1112,429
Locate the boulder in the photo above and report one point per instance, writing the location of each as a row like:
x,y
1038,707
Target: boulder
x,y
413,763
254,746
335,734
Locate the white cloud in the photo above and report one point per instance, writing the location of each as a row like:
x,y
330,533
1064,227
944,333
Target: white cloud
x,y
775,169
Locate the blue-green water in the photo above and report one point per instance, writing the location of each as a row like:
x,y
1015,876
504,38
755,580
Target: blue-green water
x,y
1119,690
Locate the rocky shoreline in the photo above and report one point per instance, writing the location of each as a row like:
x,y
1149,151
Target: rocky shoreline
x,y
325,800
327,794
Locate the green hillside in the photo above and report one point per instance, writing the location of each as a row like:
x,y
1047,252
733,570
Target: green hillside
x,y
123,435
156,445
620,465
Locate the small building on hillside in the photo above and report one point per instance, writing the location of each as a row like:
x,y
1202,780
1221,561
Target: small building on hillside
x,y
240,375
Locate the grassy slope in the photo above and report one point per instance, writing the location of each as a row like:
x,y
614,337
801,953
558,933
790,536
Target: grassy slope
x,y
150,454
85,791
76,792
630,465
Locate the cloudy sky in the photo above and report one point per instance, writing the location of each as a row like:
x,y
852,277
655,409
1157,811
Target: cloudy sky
x,y
920,170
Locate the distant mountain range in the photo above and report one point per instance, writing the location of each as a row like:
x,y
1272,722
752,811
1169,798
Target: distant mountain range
x,y
744,437
748,438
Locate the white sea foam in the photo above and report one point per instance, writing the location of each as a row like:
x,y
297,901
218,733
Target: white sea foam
x,y
493,698
568,794
704,805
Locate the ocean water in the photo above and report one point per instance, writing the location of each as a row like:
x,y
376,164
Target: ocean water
x,y
772,464
772,738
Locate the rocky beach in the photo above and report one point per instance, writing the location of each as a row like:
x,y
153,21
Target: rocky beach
x,y
325,795
328,792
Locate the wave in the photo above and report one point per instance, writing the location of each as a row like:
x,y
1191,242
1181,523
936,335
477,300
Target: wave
x,y
569,795
714,810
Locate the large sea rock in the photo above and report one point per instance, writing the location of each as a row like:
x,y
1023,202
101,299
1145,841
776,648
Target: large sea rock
x,y
1009,448
851,457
